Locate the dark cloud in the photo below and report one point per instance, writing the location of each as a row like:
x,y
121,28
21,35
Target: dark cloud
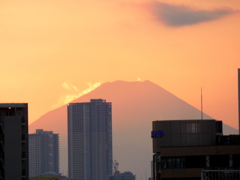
x,y
174,15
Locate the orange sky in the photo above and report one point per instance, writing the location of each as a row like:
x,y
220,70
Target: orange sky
x,y
48,47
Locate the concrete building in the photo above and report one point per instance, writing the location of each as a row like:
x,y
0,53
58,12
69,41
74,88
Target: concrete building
x,y
43,153
122,176
90,140
184,148
14,141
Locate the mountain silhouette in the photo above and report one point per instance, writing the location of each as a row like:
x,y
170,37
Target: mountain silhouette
x,y
134,106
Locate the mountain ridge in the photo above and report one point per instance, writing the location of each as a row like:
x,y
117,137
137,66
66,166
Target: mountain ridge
x,y
134,106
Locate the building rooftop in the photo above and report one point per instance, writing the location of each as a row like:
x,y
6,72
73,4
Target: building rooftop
x,y
9,105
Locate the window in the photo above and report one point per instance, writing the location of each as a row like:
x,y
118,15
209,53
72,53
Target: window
x,y
192,128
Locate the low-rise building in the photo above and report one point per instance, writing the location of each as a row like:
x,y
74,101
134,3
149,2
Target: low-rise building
x,y
122,176
43,153
184,148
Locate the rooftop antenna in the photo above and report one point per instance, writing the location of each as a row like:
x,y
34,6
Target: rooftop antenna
x,y
115,167
201,105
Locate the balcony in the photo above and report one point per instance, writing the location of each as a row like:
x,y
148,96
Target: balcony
x,y
1,137
1,148
23,172
23,121
1,124
1,169
23,138
23,155
1,174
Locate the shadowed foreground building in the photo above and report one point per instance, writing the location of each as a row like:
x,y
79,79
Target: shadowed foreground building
x,y
90,140
14,141
43,153
239,100
183,149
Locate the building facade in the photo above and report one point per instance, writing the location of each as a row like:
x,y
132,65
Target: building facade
x,y
14,141
90,140
43,153
184,148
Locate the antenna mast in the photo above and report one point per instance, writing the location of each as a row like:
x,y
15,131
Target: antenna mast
x,y
115,167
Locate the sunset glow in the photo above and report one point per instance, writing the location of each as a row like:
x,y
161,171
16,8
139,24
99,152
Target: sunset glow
x,y
50,50
74,93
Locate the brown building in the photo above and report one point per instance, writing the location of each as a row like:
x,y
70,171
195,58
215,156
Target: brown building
x,y
183,148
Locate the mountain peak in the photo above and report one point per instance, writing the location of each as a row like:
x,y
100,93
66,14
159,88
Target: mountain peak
x,y
134,106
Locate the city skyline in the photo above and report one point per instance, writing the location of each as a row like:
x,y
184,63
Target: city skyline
x,y
54,51
135,105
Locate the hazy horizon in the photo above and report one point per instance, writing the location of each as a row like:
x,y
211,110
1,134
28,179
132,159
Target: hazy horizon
x,y
134,106
179,45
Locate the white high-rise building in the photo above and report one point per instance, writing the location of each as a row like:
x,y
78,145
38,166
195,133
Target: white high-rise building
x,y
43,153
90,140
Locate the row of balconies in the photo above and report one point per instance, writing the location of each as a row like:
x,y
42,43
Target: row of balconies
x,y
1,161
1,150
23,137
1,172
23,120
1,138
24,154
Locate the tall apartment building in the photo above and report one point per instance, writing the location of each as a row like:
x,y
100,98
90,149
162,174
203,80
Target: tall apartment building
x,y
43,153
14,141
90,140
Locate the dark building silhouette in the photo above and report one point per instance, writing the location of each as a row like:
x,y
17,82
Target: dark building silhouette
x,y
184,148
14,141
43,153
90,140
239,100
